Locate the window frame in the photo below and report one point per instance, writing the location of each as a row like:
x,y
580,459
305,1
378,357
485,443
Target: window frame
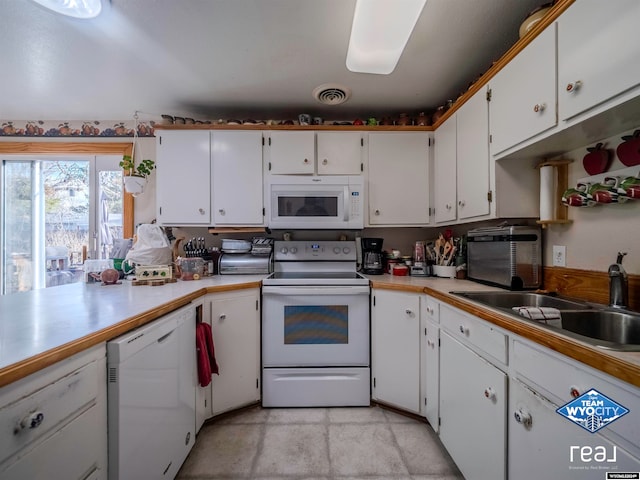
x,y
93,148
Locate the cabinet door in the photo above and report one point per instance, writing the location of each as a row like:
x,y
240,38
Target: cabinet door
x,y
541,441
399,178
431,373
473,403
395,349
444,183
523,94
472,155
235,322
340,153
237,177
291,152
598,47
183,182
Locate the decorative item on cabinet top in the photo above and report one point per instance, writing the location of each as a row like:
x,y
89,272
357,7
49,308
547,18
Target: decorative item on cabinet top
x,y
598,160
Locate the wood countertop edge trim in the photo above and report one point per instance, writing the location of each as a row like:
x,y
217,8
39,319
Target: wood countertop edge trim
x,y
595,358
38,362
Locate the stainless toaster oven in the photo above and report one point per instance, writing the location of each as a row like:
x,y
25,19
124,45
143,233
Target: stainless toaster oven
x,y
507,256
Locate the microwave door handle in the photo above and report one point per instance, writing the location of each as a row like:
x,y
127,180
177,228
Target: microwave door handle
x,y
346,203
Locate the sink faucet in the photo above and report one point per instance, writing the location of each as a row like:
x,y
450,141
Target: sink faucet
x,y
618,284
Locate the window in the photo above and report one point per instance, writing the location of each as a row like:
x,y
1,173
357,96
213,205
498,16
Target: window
x,y
61,204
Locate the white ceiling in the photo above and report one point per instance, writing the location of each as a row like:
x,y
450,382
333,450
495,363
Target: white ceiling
x,y
241,59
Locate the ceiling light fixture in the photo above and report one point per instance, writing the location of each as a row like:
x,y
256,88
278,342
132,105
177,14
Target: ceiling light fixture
x,y
84,9
380,31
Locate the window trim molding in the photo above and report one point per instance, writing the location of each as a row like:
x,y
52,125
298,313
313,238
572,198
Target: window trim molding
x,y
94,148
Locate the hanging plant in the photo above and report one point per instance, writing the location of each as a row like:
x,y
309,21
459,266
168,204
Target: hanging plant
x,y
142,170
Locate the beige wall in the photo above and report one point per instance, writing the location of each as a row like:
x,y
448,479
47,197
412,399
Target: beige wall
x,y
598,233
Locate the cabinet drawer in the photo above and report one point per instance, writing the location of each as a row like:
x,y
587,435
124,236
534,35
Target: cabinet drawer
x,y
556,377
475,332
32,416
73,453
431,309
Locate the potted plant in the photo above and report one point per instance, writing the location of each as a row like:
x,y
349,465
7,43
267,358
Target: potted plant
x,y
136,176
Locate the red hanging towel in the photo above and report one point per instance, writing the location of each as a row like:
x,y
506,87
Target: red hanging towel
x,y
202,358
210,348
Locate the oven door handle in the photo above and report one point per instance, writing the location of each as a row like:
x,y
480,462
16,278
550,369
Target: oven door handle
x,y
316,290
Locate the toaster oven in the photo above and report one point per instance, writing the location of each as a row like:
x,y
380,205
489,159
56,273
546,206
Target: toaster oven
x,y
507,256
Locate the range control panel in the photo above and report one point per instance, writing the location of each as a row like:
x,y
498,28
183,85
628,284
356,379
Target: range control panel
x,y
324,250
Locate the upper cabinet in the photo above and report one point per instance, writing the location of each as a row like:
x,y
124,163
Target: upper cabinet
x,y
598,53
236,170
294,153
461,167
523,94
183,183
340,153
398,183
290,152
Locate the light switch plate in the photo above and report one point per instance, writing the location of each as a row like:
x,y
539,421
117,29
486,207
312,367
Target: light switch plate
x,y
559,256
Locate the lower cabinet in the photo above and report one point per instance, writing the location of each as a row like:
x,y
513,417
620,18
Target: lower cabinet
x,y
54,422
395,347
431,373
235,322
473,403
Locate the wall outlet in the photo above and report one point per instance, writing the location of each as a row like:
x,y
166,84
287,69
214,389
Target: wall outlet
x,y
559,256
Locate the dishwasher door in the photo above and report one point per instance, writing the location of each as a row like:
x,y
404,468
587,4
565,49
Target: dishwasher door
x,y
151,397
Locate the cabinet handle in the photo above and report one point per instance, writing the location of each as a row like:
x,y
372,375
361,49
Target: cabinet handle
x,y
223,316
325,161
539,107
574,392
221,211
448,206
408,312
201,211
461,203
463,330
430,343
32,420
489,393
573,86
377,212
306,160
523,417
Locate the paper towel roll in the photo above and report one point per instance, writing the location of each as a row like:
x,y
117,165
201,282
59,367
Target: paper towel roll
x,y
548,185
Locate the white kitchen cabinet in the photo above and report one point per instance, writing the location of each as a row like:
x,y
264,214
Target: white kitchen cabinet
x,y
235,322
54,422
430,360
183,178
398,183
236,171
473,402
340,153
461,167
540,441
598,53
523,94
290,152
395,347
444,171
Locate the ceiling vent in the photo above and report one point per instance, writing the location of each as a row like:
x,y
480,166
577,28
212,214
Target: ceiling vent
x,y
331,94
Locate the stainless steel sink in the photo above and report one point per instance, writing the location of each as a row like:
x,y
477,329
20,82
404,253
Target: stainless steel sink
x,y
616,330
509,300
595,324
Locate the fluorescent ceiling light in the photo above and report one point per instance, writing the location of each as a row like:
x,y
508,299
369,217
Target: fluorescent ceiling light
x,y
73,8
380,31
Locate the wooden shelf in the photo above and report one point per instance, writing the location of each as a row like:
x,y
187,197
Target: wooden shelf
x,y
342,128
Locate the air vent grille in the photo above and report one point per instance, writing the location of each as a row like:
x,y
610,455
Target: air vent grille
x,y
113,375
331,94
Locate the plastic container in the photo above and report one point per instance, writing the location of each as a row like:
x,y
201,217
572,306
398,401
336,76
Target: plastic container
x,y
400,270
192,268
444,271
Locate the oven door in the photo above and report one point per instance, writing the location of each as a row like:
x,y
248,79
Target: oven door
x,y
306,326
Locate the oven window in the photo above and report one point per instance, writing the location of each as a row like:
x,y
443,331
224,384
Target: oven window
x,y
316,324
306,206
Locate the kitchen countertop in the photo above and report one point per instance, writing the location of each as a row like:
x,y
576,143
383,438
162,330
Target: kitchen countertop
x,y
41,327
623,365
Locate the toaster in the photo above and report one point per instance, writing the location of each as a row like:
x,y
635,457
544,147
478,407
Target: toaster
x,y
505,256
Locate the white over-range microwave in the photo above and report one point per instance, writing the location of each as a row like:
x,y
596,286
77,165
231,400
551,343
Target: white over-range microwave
x,y
315,202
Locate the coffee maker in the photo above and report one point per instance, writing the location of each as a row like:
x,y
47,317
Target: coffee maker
x,y
372,256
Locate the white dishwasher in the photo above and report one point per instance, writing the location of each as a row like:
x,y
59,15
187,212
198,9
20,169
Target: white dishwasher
x,y
151,397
